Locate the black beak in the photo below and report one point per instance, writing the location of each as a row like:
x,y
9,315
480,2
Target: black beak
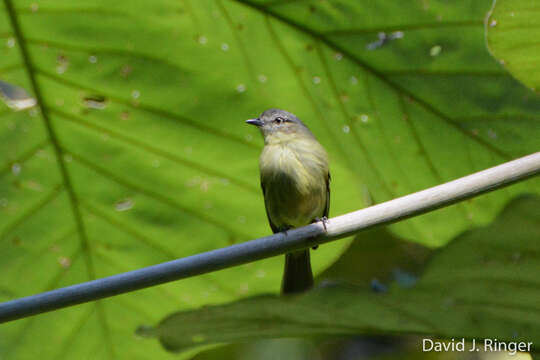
x,y
256,122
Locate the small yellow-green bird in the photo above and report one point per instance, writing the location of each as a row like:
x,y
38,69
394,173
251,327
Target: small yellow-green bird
x,y
295,181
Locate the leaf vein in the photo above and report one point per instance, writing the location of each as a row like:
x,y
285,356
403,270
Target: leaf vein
x,y
31,70
347,118
236,35
154,150
152,110
406,27
103,50
47,199
427,72
128,230
156,196
306,93
9,68
23,157
30,321
375,72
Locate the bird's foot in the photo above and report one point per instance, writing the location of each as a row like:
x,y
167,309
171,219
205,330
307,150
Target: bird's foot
x,y
324,219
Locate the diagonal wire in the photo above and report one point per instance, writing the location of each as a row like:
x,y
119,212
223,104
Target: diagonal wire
x,y
163,290
423,152
371,101
279,243
142,238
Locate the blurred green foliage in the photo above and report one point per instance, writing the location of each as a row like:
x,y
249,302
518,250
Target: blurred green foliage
x,y
147,102
512,32
483,284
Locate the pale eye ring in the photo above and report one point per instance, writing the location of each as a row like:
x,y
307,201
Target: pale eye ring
x,y
279,120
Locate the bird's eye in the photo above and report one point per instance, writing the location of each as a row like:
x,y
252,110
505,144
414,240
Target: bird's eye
x,y
279,120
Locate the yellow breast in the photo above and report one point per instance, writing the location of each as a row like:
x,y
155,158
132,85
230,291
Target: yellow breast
x,y
294,176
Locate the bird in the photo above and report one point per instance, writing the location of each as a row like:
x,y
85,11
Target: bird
x,y
295,182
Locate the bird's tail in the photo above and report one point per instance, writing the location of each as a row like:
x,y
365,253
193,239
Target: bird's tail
x,y
297,276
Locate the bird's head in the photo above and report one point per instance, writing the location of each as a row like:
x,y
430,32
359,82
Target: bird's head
x,y
279,125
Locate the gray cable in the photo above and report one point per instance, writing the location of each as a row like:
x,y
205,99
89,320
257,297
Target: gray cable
x,y
305,237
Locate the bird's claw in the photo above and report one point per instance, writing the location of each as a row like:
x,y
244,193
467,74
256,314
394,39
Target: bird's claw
x,y
324,219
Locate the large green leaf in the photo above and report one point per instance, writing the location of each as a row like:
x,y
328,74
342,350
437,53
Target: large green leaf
x,y
139,152
513,30
484,284
373,260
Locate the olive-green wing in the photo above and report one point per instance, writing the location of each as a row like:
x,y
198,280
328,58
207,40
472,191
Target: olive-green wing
x,y
327,208
272,226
